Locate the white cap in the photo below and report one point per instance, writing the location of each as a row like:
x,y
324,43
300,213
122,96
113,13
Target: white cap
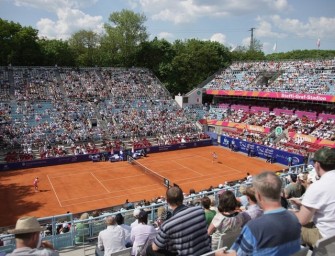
x,y
136,212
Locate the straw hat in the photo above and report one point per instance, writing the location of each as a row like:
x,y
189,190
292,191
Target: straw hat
x,y
26,225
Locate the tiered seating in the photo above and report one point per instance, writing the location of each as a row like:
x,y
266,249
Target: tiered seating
x,y
305,77
14,156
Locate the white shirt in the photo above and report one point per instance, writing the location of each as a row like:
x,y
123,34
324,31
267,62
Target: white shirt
x,y
112,239
133,224
127,230
139,235
321,196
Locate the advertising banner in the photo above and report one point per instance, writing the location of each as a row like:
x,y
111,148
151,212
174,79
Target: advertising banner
x,y
254,128
265,152
278,95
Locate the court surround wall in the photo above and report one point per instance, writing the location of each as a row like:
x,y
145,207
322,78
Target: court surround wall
x,y
87,157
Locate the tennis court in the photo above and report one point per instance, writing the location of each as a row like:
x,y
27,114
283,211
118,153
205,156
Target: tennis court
x,y
87,186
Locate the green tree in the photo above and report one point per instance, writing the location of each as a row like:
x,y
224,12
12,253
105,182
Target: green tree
x,y
123,37
245,53
56,52
194,62
302,54
85,44
154,55
7,31
18,44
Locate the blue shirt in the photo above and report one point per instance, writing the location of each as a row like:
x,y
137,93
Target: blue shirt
x,y
275,233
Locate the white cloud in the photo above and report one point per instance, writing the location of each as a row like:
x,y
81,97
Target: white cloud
x,y
265,29
246,41
315,27
70,18
219,37
186,11
53,5
165,35
268,47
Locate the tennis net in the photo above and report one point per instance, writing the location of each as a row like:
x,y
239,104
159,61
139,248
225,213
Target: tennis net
x,y
146,170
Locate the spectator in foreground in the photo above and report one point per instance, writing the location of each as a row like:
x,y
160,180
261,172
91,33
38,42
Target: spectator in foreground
x,y
112,239
206,204
294,188
162,215
253,209
228,219
142,234
276,232
127,229
81,228
185,233
318,203
136,212
28,239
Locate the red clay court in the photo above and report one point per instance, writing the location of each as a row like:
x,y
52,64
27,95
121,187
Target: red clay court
x,y
87,186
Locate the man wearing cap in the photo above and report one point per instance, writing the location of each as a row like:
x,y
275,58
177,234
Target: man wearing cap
x,y
318,203
136,212
28,239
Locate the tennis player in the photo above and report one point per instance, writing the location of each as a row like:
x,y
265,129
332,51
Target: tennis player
x,y
215,157
36,181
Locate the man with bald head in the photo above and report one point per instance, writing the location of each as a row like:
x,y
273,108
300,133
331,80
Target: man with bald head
x,y
112,239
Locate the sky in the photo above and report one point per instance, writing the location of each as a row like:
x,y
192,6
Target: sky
x,y
280,25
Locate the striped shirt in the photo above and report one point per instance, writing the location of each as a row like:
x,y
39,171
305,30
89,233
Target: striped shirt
x,y
185,233
275,233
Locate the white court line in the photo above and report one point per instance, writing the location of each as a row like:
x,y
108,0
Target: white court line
x,y
171,159
83,197
120,191
188,168
100,182
112,197
209,178
109,192
124,177
221,163
54,191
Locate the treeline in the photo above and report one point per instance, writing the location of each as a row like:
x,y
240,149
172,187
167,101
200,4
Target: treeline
x,y
180,65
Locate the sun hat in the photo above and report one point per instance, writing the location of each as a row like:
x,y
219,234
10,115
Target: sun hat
x,y
25,225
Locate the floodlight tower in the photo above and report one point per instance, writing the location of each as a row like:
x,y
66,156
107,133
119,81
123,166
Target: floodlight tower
x,y
252,38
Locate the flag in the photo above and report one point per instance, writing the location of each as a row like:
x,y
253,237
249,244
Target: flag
x,y
233,49
274,47
318,42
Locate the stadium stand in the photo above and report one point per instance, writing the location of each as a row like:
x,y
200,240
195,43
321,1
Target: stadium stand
x,y
48,112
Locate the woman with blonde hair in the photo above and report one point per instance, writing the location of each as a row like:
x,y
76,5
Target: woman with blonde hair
x,y
82,228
